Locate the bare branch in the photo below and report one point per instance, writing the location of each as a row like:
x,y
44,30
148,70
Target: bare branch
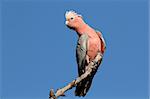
x,y
90,69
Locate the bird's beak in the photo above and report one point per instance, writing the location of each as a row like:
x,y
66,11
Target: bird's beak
x,y
66,22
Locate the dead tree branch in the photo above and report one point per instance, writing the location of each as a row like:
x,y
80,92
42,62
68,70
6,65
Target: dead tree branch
x,y
90,69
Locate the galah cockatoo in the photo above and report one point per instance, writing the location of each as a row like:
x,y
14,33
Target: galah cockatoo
x,y
90,42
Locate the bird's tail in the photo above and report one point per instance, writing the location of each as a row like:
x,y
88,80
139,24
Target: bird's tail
x,y
83,87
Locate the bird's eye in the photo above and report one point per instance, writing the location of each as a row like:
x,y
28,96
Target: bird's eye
x,y
71,18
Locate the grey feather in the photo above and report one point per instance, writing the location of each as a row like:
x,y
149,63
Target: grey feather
x,y
81,52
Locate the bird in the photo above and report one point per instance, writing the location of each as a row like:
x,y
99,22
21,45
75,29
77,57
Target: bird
x,y
90,43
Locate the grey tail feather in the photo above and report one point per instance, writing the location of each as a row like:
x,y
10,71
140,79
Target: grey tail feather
x,y
83,87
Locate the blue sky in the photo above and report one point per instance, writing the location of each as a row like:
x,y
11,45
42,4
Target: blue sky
x,y
38,50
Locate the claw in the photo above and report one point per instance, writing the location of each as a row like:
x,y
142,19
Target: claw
x,y
87,59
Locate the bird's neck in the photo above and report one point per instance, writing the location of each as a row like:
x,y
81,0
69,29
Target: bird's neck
x,y
81,29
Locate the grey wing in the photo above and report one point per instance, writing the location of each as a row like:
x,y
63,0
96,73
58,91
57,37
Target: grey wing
x,y
81,52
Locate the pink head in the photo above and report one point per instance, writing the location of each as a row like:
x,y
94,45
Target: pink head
x,y
73,20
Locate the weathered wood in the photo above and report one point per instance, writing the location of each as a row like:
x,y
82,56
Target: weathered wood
x,y
90,68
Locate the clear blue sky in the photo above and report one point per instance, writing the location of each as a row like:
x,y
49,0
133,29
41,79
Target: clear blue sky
x,y
38,50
